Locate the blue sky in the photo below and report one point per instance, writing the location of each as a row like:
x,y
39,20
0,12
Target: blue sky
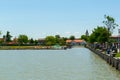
x,y
40,18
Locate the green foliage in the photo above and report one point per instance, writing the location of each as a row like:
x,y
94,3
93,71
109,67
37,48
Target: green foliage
x,y
22,39
85,37
113,40
117,55
110,23
36,42
72,37
50,40
8,37
57,36
102,34
99,34
0,32
62,41
31,41
92,38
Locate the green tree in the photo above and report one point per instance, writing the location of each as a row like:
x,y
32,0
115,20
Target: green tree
x,y
72,37
85,37
0,32
65,38
57,36
50,40
36,42
31,41
99,34
62,41
92,38
8,37
22,39
110,23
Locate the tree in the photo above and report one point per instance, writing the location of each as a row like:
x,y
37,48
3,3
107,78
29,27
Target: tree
x,y
92,38
110,23
62,41
50,40
57,36
0,32
22,39
85,37
65,38
72,37
31,41
8,37
99,34
36,42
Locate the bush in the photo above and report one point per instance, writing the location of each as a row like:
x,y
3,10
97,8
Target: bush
x,y
117,55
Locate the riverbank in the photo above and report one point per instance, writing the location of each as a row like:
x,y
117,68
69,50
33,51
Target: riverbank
x,y
32,48
113,61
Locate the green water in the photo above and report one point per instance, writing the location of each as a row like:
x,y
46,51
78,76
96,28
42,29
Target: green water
x,y
71,64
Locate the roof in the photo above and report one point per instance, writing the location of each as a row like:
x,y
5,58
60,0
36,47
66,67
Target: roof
x,y
68,41
76,40
114,36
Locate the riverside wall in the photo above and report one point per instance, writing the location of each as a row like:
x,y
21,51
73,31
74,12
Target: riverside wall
x,y
114,62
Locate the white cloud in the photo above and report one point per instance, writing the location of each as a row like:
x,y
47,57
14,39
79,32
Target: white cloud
x,y
76,32
68,32
57,33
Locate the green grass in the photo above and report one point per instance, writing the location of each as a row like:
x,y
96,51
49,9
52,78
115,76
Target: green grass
x,y
117,55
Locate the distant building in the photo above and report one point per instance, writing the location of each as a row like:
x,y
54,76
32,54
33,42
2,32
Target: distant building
x,y
41,41
115,38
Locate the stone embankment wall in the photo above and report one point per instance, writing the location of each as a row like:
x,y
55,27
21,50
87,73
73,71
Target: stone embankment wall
x,y
109,59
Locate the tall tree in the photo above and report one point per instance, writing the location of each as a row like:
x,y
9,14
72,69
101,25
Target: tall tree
x,y
22,39
72,37
57,37
31,41
99,34
110,23
8,37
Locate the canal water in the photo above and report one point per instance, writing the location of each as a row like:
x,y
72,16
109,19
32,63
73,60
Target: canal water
x,y
71,64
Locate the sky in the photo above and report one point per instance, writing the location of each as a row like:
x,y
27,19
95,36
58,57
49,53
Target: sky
x,y
41,18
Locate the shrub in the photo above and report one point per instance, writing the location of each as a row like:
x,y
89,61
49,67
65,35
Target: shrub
x,y
117,55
